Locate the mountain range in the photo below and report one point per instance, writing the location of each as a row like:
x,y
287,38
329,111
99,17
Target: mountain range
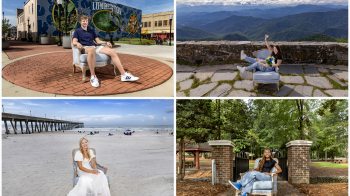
x,y
282,23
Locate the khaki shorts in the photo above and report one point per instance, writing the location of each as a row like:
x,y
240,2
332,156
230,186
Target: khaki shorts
x,y
98,48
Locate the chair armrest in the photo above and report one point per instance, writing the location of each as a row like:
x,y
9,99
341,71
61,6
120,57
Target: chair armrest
x,y
100,167
76,55
273,175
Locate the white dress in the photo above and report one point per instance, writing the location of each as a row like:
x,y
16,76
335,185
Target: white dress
x,y
89,184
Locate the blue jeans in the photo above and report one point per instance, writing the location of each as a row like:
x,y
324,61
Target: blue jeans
x,y
256,66
250,177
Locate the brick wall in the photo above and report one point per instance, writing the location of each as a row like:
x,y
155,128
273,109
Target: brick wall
x,y
223,156
299,162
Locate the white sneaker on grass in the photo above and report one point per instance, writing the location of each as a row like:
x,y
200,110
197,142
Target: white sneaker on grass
x,y
128,77
94,81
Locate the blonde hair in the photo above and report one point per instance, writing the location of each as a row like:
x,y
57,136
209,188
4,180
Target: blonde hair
x,y
84,17
81,147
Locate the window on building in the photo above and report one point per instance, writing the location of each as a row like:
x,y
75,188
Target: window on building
x,y
32,9
165,23
149,24
160,23
155,23
145,24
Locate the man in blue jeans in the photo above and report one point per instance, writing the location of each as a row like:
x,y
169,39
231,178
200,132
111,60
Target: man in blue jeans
x,y
86,38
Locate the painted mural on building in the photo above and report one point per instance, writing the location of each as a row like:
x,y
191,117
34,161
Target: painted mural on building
x,y
108,19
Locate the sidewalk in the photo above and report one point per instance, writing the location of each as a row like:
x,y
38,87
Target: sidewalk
x,y
155,55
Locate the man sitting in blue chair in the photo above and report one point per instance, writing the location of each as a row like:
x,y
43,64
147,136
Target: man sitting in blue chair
x,y
264,172
85,39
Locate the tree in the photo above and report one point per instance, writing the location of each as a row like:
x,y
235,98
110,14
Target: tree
x,y
193,123
5,27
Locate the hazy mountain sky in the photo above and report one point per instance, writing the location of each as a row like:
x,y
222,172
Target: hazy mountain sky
x,y
255,2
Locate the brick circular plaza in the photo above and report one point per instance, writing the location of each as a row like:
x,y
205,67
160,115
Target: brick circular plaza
x,y
53,73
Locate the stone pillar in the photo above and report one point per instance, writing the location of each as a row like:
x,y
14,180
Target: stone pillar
x,y
299,161
223,155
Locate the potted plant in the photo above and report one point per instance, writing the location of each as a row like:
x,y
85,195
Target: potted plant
x,y
5,31
44,39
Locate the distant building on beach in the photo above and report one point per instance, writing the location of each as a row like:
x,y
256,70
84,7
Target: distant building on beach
x,y
43,17
158,25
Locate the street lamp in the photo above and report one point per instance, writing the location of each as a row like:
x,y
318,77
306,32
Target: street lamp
x,y
28,28
59,3
140,33
170,22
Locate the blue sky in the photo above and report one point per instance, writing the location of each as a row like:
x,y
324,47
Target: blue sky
x,y
261,2
94,112
147,6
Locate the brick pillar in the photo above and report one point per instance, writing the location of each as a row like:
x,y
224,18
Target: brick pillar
x,y
223,155
299,161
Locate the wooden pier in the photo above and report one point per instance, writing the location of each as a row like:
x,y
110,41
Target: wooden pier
x,y
31,124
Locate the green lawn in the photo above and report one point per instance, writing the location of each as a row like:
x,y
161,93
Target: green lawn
x,y
135,41
329,165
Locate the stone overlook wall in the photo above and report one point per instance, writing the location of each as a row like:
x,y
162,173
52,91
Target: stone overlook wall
x,y
228,52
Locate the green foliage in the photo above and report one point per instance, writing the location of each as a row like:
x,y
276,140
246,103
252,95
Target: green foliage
x,y
5,27
59,15
106,21
256,124
136,41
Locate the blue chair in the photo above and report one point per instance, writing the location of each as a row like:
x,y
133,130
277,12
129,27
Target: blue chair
x,y
260,77
75,167
80,60
267,188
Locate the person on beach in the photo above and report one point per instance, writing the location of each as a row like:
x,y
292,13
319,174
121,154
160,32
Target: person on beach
x,y
91,180
264,65
85,39
263,172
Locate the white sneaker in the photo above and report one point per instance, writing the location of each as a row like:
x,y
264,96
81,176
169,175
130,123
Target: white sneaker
x,y
128,77
243,55
241,69
94,81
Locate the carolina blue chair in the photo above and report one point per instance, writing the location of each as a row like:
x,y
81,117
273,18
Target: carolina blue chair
x,y
267,188
260,77
80,60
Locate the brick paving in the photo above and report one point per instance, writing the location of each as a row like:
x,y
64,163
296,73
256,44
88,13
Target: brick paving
x,y
20,49
53,73
305,80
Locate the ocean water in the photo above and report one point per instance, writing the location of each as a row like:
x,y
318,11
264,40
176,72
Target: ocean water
x,y
162,129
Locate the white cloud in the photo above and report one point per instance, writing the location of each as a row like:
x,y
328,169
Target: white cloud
x,y
259,2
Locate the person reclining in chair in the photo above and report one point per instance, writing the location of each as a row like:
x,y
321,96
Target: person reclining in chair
x,y
85,38
262,173
265,65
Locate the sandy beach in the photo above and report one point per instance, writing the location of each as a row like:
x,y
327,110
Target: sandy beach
x,y
41,164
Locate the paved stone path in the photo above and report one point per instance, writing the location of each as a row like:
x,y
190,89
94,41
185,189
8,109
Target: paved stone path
x,y
296,81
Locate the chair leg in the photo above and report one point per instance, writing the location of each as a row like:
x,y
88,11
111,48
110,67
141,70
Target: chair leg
x,y
83,70
74,68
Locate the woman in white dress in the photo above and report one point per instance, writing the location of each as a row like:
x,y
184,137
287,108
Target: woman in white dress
x,y
91,180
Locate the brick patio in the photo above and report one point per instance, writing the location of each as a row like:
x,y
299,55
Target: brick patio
x,y
52,73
